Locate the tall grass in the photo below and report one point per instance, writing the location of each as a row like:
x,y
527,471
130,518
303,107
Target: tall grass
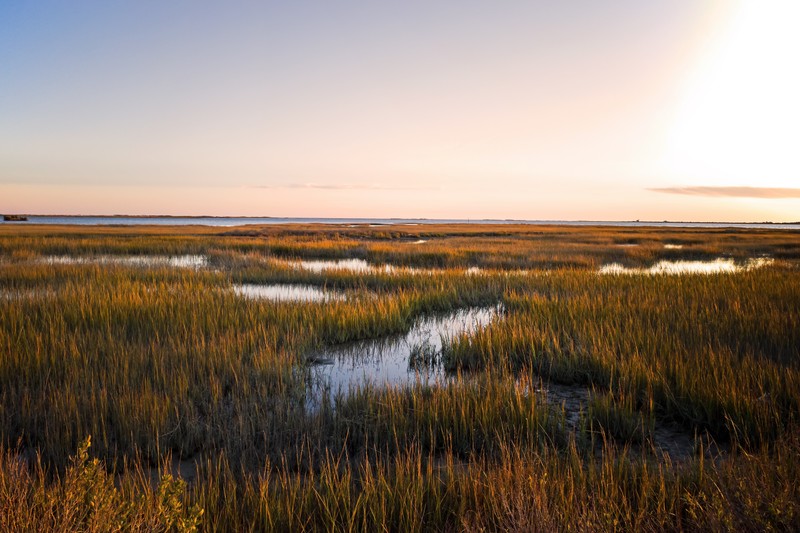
x,y
716,353
157,363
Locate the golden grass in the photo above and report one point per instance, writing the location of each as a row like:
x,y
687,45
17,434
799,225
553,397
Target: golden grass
x,y
154,362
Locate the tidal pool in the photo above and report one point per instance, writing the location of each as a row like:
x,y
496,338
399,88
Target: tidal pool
x,y
10,295
175,261
286,293
322,265
716,266
388,361
362,267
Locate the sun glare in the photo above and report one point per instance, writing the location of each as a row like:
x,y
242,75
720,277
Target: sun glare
x,y
737,123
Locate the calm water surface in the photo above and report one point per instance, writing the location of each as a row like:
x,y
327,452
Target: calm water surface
x,y
175,261
285,292
716,266
385,361
373,222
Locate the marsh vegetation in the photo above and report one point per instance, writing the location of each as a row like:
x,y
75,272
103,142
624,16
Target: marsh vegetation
x,y
160,378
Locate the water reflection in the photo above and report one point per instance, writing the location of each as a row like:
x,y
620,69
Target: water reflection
x,y
322,265
716,266
360,266
390,360
10,295
175,261
286,293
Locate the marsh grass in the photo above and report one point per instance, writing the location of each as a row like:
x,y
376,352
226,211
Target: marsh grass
x,y
157,363
424,355
619,416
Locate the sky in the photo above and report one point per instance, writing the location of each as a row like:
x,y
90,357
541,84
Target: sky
x,y
538,110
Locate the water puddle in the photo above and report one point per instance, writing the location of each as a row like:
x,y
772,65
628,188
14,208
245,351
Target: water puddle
x,y
322,265
174,261
11,295
360,266
673,246
392,361
420,241
286,293
716,266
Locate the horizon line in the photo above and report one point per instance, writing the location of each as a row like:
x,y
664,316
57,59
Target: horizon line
x,y
434,219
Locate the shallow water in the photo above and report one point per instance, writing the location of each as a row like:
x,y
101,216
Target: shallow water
x,y
385,361
10,295
175,261
716,266
673,246
362,267
240,221
322,265
286,293
359,266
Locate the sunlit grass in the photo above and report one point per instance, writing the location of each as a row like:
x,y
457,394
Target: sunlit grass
x,y
155,362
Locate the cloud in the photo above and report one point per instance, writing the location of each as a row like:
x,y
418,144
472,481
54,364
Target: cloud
x,y
737,192
343,187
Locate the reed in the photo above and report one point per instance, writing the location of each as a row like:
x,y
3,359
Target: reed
x,y
166,366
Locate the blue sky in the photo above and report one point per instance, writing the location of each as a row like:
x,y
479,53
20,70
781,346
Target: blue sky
x,y
538,110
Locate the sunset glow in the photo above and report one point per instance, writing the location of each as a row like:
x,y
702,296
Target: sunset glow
x,y
532,110
737,124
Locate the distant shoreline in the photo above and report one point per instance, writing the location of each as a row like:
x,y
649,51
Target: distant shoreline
x,y
211,220
426,219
